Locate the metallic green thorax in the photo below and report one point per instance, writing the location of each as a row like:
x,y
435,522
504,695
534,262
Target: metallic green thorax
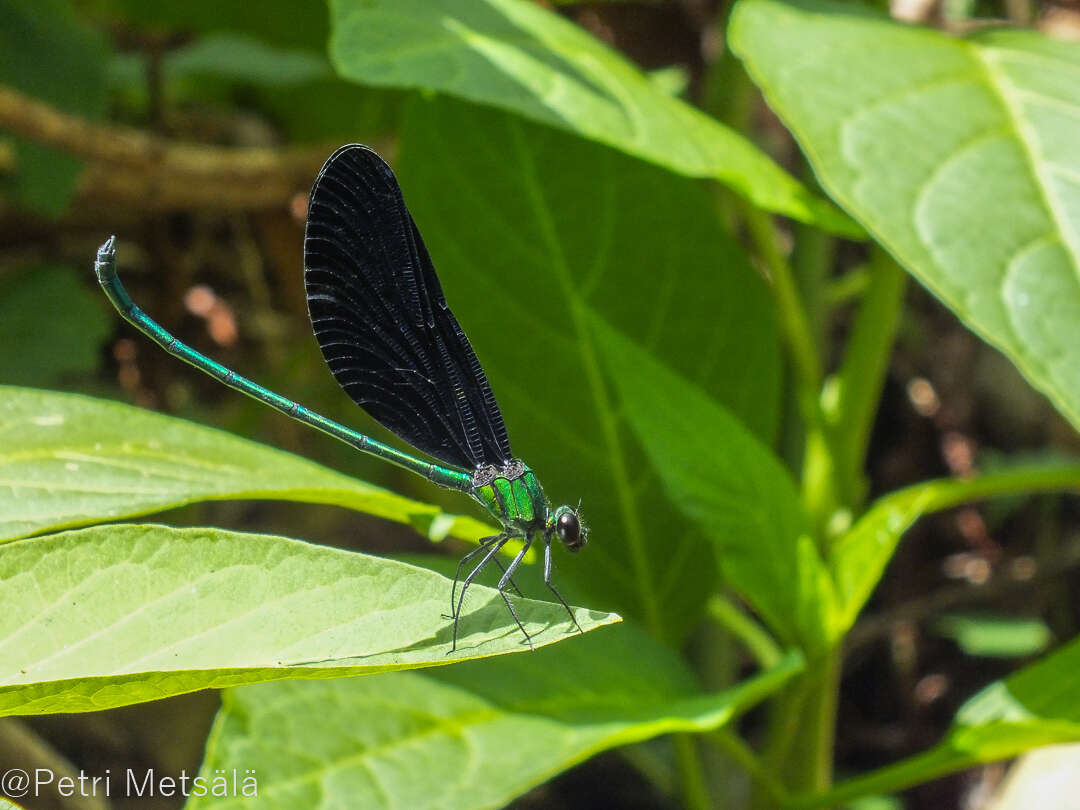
x,y
513,495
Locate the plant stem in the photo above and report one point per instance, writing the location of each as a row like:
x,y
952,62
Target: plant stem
x,y
734,746
794,324
859,381
755,637
803,727
695,793
821,728
812,259
848,287
784,716
817,475
912,771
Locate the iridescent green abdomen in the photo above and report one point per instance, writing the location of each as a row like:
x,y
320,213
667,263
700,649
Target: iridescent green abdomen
x,y
512,494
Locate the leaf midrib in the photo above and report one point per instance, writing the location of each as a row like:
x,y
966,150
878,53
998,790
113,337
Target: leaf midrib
x,y
601,400
1003,88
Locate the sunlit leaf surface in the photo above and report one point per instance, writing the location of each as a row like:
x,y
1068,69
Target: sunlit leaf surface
x,y
959,154
68,460
122,614
468,736
517,56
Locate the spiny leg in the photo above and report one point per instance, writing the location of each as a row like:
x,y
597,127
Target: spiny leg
x,y
495,547
547,581
506,570
506,578
485,543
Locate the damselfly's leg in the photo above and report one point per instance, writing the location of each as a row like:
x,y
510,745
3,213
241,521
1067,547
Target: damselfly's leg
x,y
508,571
499,542
485,544
506,578
547,581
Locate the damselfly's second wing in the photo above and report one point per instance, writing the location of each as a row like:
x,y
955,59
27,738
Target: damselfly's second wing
x,y
382,321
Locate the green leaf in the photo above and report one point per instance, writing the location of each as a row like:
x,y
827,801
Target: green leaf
x,y
995,636
77,326
858,558
115,615
243,59
730,485
1040,705
923,137
48,54
69,460
520,57
530,233
442,738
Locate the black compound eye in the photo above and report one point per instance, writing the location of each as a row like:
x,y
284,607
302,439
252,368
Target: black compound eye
x,y
569,529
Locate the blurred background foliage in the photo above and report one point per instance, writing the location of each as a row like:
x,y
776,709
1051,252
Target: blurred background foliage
x,y
211,247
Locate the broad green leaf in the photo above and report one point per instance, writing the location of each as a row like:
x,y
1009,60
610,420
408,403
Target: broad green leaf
x,y
994,635
517,56
30,355
530,229
859,557
49,55
6,804
68,460
1040,705
959,154
467,736
114,615
729,484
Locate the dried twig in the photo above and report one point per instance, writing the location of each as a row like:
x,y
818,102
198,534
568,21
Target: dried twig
x,y
128,167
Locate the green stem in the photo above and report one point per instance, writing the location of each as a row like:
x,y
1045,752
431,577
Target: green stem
x,y
793,320
756,638
744,756
821,726
784,715
803,728
812,259
857,385
819,479
818,475
912,771
695,793
848,287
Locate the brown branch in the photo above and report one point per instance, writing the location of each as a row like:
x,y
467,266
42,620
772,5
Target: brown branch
x,y
22,748
128,167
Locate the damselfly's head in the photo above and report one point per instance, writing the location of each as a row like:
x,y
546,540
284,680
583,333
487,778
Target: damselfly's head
x,y
569,528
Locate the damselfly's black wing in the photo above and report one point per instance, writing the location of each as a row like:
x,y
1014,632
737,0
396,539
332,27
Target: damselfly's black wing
x,y
382,321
